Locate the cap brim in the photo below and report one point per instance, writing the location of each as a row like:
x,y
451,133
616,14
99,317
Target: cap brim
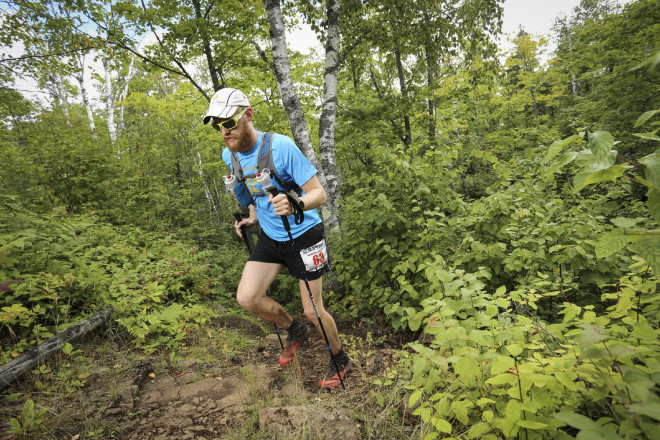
x,y
222,111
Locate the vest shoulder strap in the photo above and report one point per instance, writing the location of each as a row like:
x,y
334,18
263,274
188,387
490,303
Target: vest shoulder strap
x,y
264,161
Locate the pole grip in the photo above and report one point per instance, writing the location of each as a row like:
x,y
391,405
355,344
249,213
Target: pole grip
x,y
263,179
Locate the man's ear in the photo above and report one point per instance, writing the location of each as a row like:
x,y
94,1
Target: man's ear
x,y
248,113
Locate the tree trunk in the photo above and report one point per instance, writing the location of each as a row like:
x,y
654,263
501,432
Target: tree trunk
x,y
208,52
124,93
407,140
328,117
282,72
575,83
38,355
209,197
430,81
110,102
57,91
80,77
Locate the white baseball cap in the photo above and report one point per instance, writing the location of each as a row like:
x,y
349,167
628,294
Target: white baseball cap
x,y
225,102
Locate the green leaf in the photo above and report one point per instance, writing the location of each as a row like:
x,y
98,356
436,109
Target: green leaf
x,y
599,434
502,379
648,247
576,420
15,426
514,349
561,162
441,425
645,117
467,366
644,331
532,424
513,410
648,136
653,204
414,398
601,143
502,363
610,243
591,335
557,146
67,348
652,163
592,177
625,223
478,430
650,409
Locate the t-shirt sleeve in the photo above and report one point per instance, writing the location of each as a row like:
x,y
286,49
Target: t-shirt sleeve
x,y
294,165
226,157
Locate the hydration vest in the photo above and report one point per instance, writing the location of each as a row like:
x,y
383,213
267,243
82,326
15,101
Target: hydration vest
x,y
264,161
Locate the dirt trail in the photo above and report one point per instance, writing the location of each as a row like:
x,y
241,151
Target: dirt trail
x,y
203,401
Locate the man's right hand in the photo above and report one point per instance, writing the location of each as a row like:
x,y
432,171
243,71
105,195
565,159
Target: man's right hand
x,y
246,223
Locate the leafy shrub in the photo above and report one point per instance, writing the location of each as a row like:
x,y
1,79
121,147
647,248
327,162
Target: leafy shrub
x,y
494,369
63,267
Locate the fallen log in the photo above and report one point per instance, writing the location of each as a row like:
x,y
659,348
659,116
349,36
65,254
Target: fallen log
x,y
25,362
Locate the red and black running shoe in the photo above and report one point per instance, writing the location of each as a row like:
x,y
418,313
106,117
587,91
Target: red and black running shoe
x,y
331,379
294,341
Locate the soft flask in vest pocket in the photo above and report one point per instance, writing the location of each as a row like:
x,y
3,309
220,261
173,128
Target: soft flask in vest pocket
x,y
233,186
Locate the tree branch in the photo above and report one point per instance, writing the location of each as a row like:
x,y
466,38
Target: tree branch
x,y
176,61
262,54
27,57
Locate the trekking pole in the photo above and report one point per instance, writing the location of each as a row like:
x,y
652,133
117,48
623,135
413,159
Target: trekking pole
x,y
230,184
266,183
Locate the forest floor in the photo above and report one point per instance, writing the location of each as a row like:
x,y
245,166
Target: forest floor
x,y
226,384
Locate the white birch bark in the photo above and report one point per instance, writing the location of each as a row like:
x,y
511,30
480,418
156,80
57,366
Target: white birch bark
x,y
80,77
124,93
110,103
56,89
212,208
328,118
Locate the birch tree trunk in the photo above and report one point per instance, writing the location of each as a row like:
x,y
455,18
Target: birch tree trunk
x,y
282,72
57,91
328,118
124,94
80,77
110,103
209,197
328,174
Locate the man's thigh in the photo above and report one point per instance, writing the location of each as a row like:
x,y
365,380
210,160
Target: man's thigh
x,y
257,278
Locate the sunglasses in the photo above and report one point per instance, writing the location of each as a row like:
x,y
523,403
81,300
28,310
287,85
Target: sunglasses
x,y
229,124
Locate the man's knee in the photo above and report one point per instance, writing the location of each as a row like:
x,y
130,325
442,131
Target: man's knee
x,y
247,300
311,315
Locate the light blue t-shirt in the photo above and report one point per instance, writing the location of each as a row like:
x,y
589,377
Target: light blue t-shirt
x,y
292,166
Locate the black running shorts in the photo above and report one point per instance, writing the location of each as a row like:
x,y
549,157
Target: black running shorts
x,y
308,260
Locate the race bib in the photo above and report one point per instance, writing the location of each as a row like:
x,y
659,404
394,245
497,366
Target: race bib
x,y
315,257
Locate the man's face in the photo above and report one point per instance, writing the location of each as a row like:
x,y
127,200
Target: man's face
x,y
238,139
